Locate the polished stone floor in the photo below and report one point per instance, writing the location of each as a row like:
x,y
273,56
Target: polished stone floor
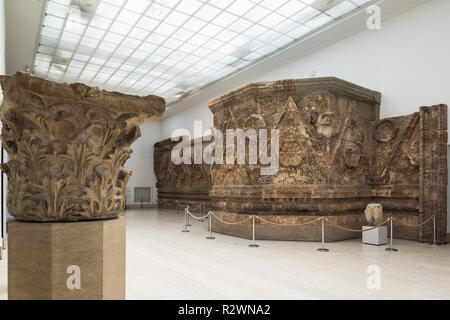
x,y
164,263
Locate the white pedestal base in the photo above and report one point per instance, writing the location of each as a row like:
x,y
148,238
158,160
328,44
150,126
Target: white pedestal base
x,y
377,236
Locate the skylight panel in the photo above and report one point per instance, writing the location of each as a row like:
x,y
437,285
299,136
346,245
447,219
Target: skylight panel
x,y
257,13
57,10
54,22
138,6
221,4
120,28
107,10
189,7
298,32
341,9
70,37
170,46
272,20
117,3
100,22
207,13
360,2
131,43
211,30
51,32
194,24
290,8
89,42
165,29
105,47
147,23
157,11
63,2
240,7
176,18
128,17
272,5
305,15
224,19
318,21
168,3
113,38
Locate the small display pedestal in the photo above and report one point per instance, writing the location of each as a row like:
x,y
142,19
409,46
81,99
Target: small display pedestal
x,y
377,236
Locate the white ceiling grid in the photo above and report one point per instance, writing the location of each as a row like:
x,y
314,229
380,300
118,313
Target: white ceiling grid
x,y
170,47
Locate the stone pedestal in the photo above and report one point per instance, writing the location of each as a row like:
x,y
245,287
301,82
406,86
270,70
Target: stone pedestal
x,y
376,237
67,260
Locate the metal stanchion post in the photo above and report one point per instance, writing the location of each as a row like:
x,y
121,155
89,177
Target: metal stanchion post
x,y
323,249
188,217
202,211
391,249
253,245
210,237
434,244
185,222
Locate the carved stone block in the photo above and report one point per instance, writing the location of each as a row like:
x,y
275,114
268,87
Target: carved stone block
x,y
181,184
374,213
336,156
67,145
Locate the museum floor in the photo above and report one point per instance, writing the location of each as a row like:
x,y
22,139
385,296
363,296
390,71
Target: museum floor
x,y
164,263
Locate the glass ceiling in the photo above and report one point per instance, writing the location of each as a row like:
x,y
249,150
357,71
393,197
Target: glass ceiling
x,y
170,47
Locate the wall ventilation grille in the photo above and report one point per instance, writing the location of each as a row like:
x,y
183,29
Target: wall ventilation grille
x,y
142,194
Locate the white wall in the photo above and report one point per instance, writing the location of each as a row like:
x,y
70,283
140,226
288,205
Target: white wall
x,y
407,61
141,160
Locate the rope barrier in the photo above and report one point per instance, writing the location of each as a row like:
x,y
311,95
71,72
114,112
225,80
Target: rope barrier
x,y
211,214
199,206
418,225
354,230
287,224
195,217
230,223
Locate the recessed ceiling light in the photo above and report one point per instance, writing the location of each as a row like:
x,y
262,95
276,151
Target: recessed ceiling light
x,y
324,5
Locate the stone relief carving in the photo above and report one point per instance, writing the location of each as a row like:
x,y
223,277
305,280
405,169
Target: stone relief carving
x,y
67,145
336,155
413,154
185,183
374,213
385,131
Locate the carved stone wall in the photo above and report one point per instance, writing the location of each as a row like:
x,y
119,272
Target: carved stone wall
x,y
324,143
433,175
336,156
180,184
67,146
